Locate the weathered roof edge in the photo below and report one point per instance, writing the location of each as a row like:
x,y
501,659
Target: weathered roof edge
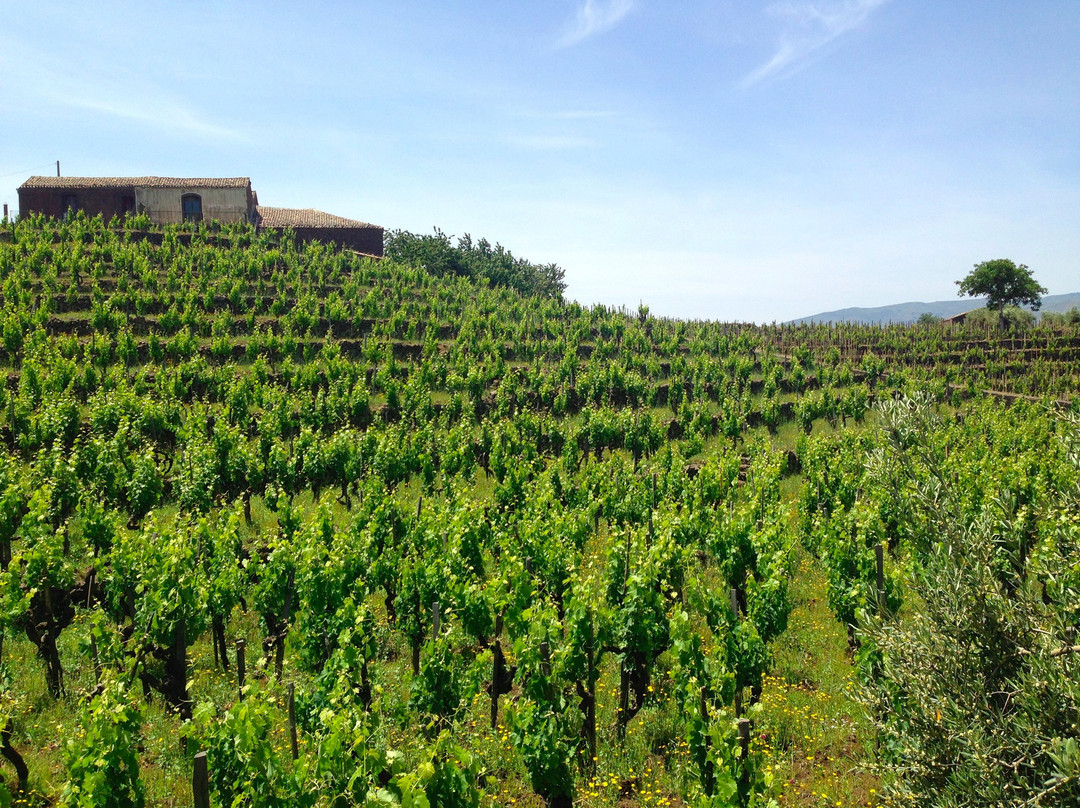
x,y
305,217
136,182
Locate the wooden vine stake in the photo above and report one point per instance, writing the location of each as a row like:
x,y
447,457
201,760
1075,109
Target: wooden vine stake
x,y
733,595
879,551
11,421
179,660
93,656
292,721
707,770
744,753
497,668
279,644
496,681
200,782
587,694
545,670
624,671
241,667
652,507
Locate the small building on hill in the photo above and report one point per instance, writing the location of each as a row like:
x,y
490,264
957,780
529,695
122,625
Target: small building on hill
x,y
956,319
166,200
171,200
310,225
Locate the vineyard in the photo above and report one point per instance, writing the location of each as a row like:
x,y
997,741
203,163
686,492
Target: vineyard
x,y
330,531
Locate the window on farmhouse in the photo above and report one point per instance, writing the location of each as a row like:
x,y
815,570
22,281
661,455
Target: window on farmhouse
x,y
127,205
192,204
69,204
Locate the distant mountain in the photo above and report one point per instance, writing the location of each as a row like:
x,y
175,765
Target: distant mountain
x,y
909,312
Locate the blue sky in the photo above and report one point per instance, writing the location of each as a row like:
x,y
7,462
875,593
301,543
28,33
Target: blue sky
x,y
713,159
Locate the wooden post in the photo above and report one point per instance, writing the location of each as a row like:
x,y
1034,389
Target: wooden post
x,y
652,507
292,721
419,502
241,669
180,669
436,624
879,551
545,671
496,681
733,597
624,701
744,754
589,699
707,770
200,782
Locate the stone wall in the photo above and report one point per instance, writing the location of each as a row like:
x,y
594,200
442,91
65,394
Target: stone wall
x,y
50,201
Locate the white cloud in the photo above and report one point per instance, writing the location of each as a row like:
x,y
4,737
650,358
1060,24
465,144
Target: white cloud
x,y
594,17
808,26
157,113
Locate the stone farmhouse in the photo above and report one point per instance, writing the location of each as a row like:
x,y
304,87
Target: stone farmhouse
x,y
169,200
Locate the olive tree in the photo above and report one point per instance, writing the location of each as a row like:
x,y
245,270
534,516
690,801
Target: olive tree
x,y
975,692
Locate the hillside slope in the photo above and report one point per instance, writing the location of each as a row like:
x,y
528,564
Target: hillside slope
x,y
474,542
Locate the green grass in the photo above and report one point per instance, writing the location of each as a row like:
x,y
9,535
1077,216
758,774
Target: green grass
x,y
814,731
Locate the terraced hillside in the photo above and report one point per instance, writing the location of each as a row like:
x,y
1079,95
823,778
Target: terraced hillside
x,y
366,534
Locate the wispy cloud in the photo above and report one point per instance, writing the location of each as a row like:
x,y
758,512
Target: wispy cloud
x,y
806,27
593,17
29,76
160,114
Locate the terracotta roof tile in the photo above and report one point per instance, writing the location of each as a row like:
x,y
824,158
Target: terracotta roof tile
x,y
137,182
304,217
